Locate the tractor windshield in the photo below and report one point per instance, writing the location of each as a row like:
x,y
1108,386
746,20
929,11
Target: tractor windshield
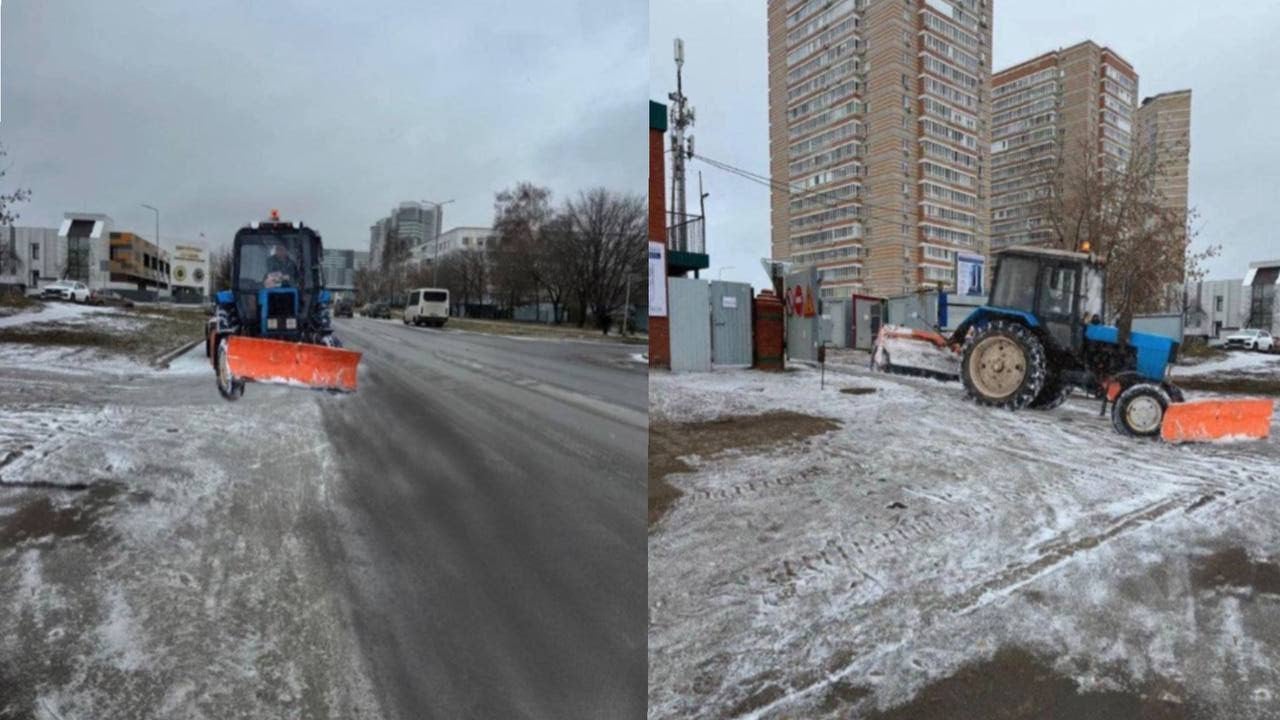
x,y
272,260
1015,285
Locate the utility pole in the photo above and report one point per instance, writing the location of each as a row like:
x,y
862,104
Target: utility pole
x,y
626,312
159,247
682,116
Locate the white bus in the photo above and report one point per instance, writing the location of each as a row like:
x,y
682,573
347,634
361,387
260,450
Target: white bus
x,y
427,306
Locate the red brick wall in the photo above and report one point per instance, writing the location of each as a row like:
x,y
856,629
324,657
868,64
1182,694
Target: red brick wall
x,y
659,330
767,329
657,188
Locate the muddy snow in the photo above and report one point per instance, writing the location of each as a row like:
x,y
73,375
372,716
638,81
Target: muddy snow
x,y
870,568
162,551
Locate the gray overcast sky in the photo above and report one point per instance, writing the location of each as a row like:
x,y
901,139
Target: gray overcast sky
x,y
1224,51
332,112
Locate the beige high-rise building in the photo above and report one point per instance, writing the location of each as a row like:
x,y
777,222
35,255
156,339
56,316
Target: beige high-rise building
x,y
1164,133
1080,101
878,125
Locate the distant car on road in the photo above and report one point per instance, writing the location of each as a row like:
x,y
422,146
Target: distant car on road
x,y
343,308
377,310
109,297
427,306
1251,339
66,290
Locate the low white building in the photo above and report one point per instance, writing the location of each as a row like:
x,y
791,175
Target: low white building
x,y
1261,284
463,237
32,257
1214,307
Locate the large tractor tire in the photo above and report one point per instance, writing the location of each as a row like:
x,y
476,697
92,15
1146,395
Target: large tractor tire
x,y
229,387
1139,410
1053,394
1003,365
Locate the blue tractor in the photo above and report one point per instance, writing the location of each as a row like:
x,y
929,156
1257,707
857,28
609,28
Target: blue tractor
x,y
273,324
1042,335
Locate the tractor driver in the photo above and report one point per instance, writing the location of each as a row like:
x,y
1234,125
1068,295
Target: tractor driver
x,y
281,268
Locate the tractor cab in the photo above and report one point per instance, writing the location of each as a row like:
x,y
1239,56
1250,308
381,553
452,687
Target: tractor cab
x,y
1056,290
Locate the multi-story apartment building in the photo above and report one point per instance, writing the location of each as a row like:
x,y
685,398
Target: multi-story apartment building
x,y
378,241
406,227
878,139
1073,104
340,267
1164,134
463,237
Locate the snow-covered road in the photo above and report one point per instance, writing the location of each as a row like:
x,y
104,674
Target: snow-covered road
x,y
844,573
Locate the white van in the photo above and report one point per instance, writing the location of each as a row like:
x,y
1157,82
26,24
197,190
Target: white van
x,y
427,306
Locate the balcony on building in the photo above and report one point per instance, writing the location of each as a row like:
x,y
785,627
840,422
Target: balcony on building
x,y
686,244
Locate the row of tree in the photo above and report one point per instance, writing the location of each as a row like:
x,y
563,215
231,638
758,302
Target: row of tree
x,y
585,256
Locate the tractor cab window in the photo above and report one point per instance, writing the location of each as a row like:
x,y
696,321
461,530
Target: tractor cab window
x,y
271,261
413,298
1057,291
1015,285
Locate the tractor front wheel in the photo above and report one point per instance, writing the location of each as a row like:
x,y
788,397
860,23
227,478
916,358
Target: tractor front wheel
x,y
1003,365
1139,411
229,387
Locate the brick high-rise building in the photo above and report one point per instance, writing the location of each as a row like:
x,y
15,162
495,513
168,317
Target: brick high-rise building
x,y
1080,101
1164,133
877,123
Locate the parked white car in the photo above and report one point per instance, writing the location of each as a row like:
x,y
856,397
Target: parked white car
x,y
66,290
1251,340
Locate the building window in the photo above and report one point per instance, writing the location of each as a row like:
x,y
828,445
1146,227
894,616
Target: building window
x,y
1217,303
35,251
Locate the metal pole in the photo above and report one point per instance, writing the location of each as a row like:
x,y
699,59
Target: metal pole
x,y
626,313
159,248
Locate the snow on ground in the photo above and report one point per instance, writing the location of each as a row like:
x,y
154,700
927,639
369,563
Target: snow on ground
x,y
927,532
174,575
57,312
1249,363
67,359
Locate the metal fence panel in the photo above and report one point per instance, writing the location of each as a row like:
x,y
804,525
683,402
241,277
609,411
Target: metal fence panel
x,y
835,323
688,304
803,321
730,323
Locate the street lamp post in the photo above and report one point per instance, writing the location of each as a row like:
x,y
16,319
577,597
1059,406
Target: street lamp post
x,y
159,247
435,259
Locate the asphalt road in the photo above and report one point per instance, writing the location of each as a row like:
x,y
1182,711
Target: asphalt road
x,y
494,559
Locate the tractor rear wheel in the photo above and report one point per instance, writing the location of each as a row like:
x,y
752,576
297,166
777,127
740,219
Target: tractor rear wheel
x,y
1139,411
1053,394
1003,365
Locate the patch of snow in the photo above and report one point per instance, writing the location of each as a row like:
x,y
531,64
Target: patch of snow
x,y
1253,363
786,563
55,312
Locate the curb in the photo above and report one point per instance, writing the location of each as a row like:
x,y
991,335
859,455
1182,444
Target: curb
x,y
162,361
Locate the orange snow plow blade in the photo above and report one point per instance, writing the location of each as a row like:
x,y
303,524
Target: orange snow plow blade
x,y
290,363
1201,420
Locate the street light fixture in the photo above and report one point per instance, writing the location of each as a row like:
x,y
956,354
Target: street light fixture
x,y
159,247
435,259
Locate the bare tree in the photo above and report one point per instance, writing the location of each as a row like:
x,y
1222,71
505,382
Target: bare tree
x,y
1093,202
10,262
519,215
605,245
220,269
